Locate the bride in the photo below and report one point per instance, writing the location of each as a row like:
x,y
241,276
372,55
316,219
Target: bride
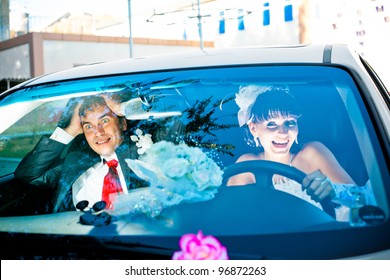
x,y
270,115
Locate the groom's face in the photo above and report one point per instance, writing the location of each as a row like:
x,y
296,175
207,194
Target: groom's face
x,y
103,129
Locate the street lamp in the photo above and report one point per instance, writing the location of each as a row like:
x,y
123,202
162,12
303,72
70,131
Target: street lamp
x,y
200,26
130,31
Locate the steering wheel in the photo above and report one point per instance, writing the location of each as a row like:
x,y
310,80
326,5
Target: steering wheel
x,y
263,170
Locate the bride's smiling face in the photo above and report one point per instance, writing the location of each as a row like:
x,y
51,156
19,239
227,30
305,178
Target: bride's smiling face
x,y
276,134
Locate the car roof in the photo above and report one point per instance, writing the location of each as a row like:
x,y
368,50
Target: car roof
x,y
205,58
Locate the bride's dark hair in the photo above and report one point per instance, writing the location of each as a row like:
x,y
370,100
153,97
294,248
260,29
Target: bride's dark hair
x,y
272,103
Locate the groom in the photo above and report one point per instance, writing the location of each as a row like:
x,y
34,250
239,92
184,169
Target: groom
x,y
74,160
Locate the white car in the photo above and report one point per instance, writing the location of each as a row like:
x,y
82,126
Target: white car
x,y
187,129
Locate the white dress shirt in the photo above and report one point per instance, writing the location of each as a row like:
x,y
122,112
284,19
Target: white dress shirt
x,y
89,185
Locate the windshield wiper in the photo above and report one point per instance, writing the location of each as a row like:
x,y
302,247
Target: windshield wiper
x,y
139,248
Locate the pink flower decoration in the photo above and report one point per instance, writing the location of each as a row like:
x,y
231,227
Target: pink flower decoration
x,y
199,247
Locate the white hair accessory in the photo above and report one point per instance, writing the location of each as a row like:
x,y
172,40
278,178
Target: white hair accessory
x,y
245,98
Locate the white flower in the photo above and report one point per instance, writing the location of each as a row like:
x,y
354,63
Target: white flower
x,y
144,142
216,177
201,178
197,156
175,167
245,98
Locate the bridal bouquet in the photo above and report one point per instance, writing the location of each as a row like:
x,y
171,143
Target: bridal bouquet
x,y
175,172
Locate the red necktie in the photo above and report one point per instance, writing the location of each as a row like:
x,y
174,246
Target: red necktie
x,y
111,185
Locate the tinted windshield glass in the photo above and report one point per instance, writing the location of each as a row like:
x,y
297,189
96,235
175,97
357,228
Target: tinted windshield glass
x,y
176,134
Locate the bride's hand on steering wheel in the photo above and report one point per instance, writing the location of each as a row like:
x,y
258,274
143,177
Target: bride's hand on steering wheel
x,y
318,186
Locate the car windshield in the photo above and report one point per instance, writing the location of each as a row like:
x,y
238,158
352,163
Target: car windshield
x,y
185,130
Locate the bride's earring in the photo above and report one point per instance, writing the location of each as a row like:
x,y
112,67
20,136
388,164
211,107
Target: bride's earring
x,y
257,141
296,140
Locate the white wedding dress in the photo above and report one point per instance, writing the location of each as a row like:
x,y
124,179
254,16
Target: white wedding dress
x,y
294,188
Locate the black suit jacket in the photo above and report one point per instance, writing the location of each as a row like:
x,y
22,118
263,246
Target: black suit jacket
x,y
57,166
